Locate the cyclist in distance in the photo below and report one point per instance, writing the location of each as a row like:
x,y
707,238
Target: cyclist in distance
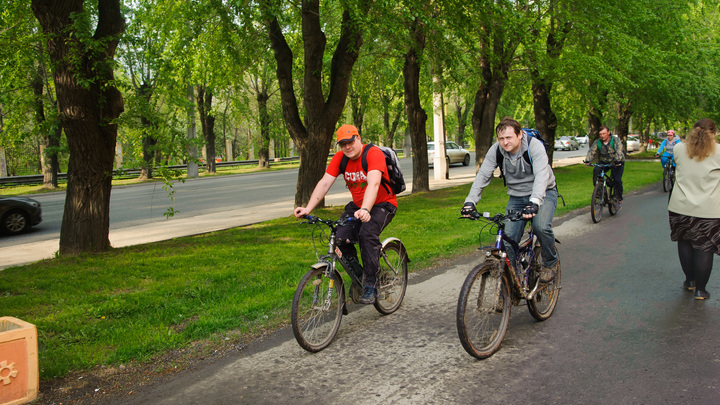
x,y
608,151
373,205
667,146
531,187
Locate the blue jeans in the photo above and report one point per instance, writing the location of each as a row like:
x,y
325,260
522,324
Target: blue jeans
x,y
541,223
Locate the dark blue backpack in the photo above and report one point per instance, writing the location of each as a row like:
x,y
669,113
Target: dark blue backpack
x,y
531,134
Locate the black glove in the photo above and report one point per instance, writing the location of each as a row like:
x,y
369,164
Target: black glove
x,y
657,155
468,210
530,209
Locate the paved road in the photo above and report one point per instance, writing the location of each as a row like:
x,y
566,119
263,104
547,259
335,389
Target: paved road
x,y
206,204
624,332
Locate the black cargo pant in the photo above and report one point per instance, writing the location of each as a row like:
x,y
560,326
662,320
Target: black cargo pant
x,y
367,234
617,173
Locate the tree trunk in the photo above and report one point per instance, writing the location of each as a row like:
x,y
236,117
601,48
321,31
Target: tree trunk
x,y
88,104
391,127
623,126
487,99
461,111
207,121
545,119
494,65
149,140
413,108
51,141
264,155
358,110
315,140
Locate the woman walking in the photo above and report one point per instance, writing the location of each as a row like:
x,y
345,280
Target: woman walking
x,y
694,206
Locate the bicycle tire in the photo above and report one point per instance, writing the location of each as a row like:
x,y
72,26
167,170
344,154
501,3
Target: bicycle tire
x,y
612,201
672,177
596,201
482,323
315,325
666,178
392,278
543,303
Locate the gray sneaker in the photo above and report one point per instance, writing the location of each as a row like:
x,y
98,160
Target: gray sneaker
x,y
547,274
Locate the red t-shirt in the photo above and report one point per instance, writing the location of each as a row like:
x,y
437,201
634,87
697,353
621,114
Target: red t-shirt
x,y
356,177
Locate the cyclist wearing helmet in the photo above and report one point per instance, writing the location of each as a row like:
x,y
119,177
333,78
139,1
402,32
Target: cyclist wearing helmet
x,y
667,146
608,150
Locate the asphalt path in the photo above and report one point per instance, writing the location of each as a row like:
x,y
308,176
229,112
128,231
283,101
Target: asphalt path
x,y
203,205
624,332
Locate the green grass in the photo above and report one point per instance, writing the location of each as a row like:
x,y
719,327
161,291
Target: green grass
x,y
134,303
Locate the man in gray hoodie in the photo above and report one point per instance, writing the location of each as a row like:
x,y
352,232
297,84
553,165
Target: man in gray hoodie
x,y
531,187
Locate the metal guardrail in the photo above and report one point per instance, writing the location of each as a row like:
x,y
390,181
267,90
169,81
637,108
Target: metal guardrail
x,y
38,178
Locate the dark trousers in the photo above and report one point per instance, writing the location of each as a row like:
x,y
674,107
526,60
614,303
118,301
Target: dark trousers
x,y
616,172
367,234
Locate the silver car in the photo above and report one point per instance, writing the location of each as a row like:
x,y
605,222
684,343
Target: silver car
x,y
566,143
453,153
633,144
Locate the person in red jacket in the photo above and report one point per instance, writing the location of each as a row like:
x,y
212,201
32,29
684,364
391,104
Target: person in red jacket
x,y
373,205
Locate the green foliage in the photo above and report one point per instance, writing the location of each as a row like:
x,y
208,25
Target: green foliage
x,y
134,303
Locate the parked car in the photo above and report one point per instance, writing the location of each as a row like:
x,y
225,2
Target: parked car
x,y
633,144
18,214
566,143
453,152
582,140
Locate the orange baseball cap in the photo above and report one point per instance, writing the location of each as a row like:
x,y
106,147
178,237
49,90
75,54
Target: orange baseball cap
x,y
347,133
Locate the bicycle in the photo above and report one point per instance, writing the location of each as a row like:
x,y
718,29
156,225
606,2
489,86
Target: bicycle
x,y
319,302
669,174
483,310
603,194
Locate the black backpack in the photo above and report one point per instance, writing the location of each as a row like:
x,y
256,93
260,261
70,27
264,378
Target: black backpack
x,y
531,134
397,182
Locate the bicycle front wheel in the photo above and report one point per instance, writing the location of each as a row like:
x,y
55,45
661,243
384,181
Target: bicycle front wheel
x,y
317,309
667,180
392,279
483,310
543,303
596,202
612,202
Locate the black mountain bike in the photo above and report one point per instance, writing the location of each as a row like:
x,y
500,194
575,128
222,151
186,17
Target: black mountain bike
x,y
483,310
319,302
669,174
604,194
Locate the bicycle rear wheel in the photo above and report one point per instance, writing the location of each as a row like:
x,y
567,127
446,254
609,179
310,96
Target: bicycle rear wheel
x,y
392,279
667,181
543,303
596,202
317,309
483,310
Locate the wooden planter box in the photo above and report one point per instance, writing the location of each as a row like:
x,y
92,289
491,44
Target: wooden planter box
x,y
18,361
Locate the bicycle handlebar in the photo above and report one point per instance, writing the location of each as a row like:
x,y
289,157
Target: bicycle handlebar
x,y
497,218
605,165
311,219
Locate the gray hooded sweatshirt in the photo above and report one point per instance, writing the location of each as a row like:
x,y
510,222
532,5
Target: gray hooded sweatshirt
x,y
521,180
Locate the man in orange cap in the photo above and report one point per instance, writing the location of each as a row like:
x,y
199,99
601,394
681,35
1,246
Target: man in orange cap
x,y
373,205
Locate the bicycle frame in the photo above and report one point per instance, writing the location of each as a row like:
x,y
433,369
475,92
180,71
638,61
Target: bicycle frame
x,y
518,272
329,260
